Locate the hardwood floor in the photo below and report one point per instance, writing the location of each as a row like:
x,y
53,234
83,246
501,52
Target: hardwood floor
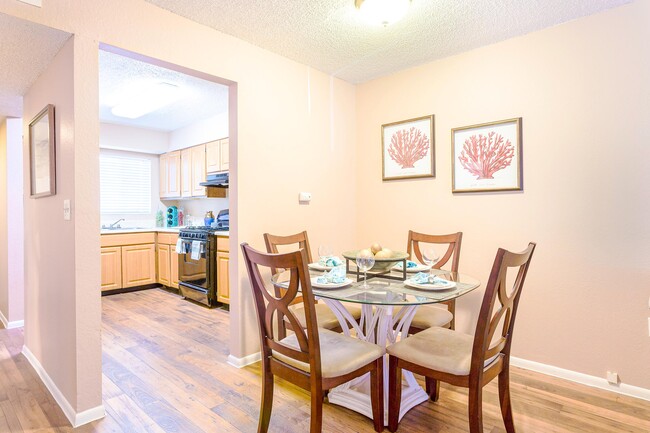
x,y
165,371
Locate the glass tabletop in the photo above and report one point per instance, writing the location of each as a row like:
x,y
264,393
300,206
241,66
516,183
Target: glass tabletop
x,y
389,292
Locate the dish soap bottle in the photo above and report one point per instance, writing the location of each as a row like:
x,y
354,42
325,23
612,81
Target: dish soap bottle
x,y
159,218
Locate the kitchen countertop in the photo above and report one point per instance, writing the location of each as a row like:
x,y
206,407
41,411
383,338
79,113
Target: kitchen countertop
x,y
153,229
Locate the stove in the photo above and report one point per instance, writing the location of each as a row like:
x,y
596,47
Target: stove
x,y
199,232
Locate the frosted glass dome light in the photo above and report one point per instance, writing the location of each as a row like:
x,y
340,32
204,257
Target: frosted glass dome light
x,y
383,11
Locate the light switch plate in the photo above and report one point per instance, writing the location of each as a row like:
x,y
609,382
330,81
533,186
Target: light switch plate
x,y
66,210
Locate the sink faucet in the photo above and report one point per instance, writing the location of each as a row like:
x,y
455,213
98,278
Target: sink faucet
x,y
111,226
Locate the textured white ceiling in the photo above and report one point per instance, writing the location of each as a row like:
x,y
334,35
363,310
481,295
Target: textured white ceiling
x,y
330,36
121,76
25,51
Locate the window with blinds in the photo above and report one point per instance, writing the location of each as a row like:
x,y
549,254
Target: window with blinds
x,y
125,185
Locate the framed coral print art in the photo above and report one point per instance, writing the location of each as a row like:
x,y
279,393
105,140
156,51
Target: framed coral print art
x,y
408,149
487,157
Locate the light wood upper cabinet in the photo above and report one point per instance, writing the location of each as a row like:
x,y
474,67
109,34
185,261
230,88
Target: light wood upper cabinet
x,y
138,265
198,170
111,268
217,156
212,156
224,155
174,174
186,173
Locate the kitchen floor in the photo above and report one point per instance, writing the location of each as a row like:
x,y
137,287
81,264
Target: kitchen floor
x,y
165,371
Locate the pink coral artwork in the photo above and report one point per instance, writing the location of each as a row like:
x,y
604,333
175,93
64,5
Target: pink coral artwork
x,y
484,155
407,146
487,157
408,149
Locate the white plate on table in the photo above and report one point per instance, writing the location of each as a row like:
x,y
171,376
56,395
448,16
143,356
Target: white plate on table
x,y
318,267
316,284
439,284
417,268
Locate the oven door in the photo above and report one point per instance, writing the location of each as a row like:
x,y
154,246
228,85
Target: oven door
x,y
194,272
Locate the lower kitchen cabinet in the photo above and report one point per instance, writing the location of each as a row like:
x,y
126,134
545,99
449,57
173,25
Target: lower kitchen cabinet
x,y
138,265
223,277
167,259
111,268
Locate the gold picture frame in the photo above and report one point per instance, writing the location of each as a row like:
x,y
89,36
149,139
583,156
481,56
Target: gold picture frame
x,y
487,157
42,154
408,149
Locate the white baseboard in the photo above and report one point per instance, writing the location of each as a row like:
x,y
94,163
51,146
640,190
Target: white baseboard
x,y
584,379
76,418
246,360
11,325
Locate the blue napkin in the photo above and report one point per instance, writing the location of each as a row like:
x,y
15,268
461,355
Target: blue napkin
x,y
423,278
335,276
409,264
330,261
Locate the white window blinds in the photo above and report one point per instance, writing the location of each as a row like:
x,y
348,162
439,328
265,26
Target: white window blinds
x,y
125,185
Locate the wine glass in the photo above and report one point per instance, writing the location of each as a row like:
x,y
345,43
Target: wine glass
x,y
324,252
430,257
364,263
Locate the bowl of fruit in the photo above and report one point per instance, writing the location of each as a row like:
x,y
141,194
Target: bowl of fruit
x,y
385,258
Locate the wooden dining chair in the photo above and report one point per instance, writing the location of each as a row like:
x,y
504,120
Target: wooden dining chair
x,y
428,316
441,354
312,358
326,318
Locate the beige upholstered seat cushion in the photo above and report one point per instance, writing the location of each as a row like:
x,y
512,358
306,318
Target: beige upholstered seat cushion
x,y
339,354
439,349
324,315
429,316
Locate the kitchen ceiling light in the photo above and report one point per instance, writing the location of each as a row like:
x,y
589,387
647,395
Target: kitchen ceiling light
x,y
383,11
148,99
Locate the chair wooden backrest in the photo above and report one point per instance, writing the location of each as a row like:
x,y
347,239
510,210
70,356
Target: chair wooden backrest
x,y
487,343
453,249
300,239
268,304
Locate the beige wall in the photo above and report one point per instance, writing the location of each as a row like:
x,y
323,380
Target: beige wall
x,y
11,222
62,314
582,90
280,145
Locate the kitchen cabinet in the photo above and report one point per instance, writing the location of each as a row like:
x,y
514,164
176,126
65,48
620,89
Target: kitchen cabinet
x,y
111,268
170,175
167,259
198,170
223,277
128,260
138,265
186,173
216,156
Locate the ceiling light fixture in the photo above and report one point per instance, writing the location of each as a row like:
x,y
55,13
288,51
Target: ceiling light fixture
x,y
383,11
148,99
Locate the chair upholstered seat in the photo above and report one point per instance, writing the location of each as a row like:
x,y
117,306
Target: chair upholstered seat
x,y
339,354
429,316
324,314
439,349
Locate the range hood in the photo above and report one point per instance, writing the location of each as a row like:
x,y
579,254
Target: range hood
x,y
218,180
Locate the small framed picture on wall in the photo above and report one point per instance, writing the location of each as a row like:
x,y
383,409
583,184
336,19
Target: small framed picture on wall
x,y
408,149
487,157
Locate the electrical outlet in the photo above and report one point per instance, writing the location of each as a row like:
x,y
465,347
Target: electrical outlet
x,y
304,197
612,377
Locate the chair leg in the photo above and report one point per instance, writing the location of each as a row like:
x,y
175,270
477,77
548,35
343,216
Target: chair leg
x,y
267,401
395,391
377,394
316,423
504,398
476,409
433,388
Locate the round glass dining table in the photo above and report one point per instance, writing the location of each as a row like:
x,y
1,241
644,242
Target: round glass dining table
x,y
387,309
